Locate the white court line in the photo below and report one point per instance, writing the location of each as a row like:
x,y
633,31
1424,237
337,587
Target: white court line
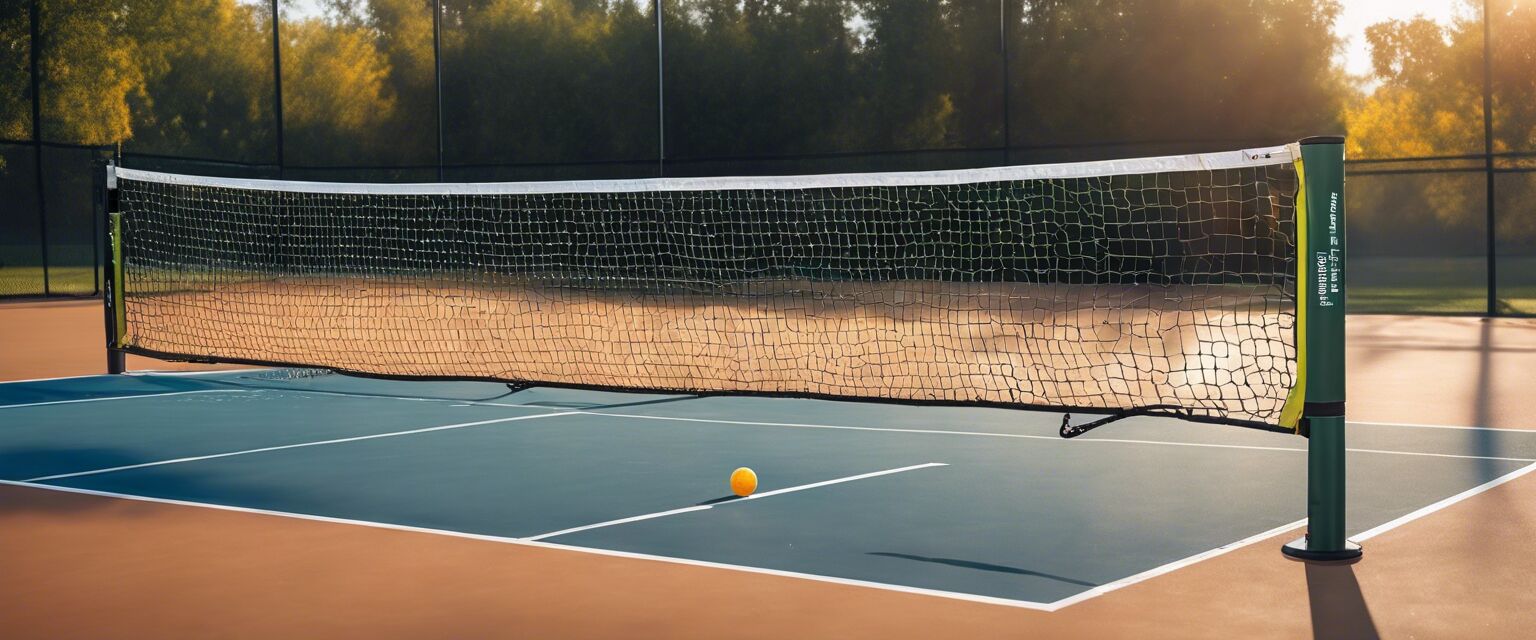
x,y
344,394
1023,604
92,375
756,496
1439,455
1091,593
1173,566
132,397
150,373
1360,537
154,373
1026,436
610,523
139,373
1439,426
297,446
1424,511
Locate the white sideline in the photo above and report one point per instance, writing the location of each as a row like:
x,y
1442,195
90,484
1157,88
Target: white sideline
x,y
90,375
136,373
1360,537
374,436
1048,607
1174,566
132,397
150,373
1428,509
1023,604
756,496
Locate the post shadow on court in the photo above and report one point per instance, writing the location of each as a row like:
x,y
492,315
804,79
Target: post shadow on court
x,y
1339,609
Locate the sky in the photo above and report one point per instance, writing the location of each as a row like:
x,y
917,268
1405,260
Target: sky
x,y
1357,15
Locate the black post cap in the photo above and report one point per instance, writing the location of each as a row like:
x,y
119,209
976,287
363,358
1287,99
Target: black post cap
x,y
1323,140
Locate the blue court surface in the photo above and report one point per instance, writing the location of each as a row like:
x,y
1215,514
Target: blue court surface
x,y
981,504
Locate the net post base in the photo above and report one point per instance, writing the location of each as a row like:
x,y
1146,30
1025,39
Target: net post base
x,y
1297,550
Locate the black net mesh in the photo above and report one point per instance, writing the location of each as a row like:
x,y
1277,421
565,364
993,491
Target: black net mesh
x,y
1112,292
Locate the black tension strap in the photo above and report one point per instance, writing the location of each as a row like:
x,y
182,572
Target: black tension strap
x,y
1069,430
1311,410
1323,409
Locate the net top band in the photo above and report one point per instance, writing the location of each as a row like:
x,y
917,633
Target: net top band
x,y
1245,158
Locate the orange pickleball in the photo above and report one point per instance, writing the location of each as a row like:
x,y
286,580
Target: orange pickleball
x,y
743,482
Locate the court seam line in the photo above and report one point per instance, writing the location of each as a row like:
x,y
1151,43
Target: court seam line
x,y
1026,436
132,397
213,456
1442,504
554,546
706,507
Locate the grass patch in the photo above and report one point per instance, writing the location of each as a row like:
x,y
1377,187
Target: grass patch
x,y
1439,285
28,281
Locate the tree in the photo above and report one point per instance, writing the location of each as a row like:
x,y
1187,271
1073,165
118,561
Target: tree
x,y
1429,103
208,82
15,71
1221,72
88,69
549,81
336,93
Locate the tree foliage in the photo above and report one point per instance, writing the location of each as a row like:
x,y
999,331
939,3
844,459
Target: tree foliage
x,y
1205,70
15,71
1429,102
207,89
575,81
88,68
529,81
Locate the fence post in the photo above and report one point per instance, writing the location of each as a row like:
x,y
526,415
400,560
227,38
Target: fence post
x,y
1492,227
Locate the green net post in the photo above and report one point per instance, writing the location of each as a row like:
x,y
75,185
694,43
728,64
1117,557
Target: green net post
x,y
1321,289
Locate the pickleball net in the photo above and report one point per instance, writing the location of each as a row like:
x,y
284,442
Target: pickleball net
x,y
1164,286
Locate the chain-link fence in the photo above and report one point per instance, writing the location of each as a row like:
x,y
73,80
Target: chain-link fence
x,y
1442,130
